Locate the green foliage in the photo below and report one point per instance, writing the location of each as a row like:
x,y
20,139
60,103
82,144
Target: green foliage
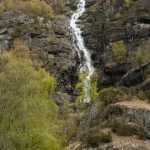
x,y
20,49
93,139
128,3
119,51
143,95
141,57
66,109
93,92
61,4
38,7
72,124
111,95
120,127
28,117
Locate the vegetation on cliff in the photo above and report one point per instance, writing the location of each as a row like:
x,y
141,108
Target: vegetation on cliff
x,y
38,7
33,49
29,115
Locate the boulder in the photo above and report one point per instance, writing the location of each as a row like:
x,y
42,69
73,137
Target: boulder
x,y
136,112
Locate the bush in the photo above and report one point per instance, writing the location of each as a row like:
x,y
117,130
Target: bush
x,y
38,7
72,127
119,51
128,3
106,137
141,57
110,95
93,139
91,92
122,129
142,134
29,115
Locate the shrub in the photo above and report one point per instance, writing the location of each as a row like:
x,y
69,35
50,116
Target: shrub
x,y
141,57
71,127
38,7
31,118
106,137
93,139
128,3
19,48
122,129
142,134
110,95
119,51
85,91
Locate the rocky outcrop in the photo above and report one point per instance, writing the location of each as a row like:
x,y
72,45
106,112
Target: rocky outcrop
x,y
89,118
136,76
49,42
126,144
120,143
135,112
106,22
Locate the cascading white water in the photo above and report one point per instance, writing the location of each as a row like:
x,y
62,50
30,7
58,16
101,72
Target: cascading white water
x,y
86,62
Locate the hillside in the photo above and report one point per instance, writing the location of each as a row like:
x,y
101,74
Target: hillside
x,y
74,74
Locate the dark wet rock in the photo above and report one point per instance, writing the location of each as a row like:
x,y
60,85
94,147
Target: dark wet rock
x,y
136,76
116,69
144,19
90,2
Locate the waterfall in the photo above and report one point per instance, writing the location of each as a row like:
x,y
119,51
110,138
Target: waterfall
x,y
86,62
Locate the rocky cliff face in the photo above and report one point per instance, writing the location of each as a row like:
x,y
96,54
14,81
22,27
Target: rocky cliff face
x,y
137,113
107,22
49,42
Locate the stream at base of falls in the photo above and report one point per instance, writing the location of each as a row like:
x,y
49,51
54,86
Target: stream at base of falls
x,y
83,53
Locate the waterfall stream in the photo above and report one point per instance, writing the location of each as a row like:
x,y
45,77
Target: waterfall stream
x,y
86,62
